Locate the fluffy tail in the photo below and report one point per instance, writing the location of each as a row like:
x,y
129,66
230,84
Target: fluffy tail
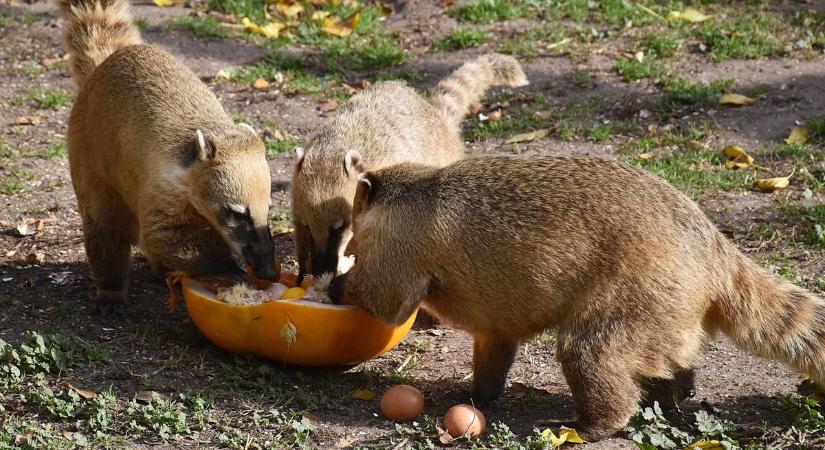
x,y
95,29
769,317
454,95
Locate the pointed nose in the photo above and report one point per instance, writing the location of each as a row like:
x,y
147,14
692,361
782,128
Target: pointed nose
x,y
261,256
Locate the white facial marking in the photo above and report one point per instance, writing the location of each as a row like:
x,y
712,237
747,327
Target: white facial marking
x,y
200,140
238,208
247,126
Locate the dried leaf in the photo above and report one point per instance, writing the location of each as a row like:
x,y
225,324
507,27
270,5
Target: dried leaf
x,y
345,442
772,184
28,120
560,43
289,333
531,136
645,156
799,135
706,445
730,98
329,105
363,394
341,28
290,11
566,435
639,56
164,3
30,226
88,395
147,396
31,258
269,30
737,158
692,15
443,436
260,84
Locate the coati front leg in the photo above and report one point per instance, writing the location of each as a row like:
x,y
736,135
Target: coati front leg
x,y
605,393
303,245
109,230
670,392
492,358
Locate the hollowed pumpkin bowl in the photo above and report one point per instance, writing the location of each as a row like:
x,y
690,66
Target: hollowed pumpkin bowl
x,y
295,332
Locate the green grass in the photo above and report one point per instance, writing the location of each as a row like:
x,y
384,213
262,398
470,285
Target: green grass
x,y
276,147
7,151
201,26
743,38
681,96
816,130
812,221
662,44
16,181
45,98
534,42
296,79
56,148
379,51
461,38
632,70
486,11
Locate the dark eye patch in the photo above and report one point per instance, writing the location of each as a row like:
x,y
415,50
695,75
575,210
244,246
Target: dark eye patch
x,y
188,154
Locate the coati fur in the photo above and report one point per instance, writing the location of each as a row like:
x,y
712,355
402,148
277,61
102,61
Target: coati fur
x,y
629,272
387,123
156,161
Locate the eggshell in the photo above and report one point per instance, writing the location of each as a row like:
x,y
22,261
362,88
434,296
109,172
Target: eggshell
x,y
402,402
276,290
462,419
294,294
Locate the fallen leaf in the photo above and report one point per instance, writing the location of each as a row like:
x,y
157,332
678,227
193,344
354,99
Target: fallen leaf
x,y
289,333
531,136
28,120
345,442
260,84
329,105
225,73
692,15
730,98
443,436
147,396
799,135
773,184
290,11
363,394
737,158
310,417
639,56
706,445
566,435
553,45
341,28
319,16
31,258
164,3
494,116
270,30
30,227
88,395
645,156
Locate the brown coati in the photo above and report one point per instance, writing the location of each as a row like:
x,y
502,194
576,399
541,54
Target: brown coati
x,y
156,161
386,124
629,272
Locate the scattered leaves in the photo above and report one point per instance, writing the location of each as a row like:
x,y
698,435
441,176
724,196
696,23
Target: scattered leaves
x,y
772,184
363,394
269,30
531,136
799,135
290,11
691,15
30,226
732,99
341,28
737,158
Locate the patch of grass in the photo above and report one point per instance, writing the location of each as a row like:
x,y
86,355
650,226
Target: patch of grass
x,y
253,9
56,148
816,130
296,80
7,151
486,11
581,79
461,38
743,38
16,182
680,96
812,221
631,69
201,26
662,45
535,41
650,430
604,131
276,147
375,52
141,24
49,98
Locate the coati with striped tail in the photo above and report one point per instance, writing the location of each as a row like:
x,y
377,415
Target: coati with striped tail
x,y
629,272
388,123
156,161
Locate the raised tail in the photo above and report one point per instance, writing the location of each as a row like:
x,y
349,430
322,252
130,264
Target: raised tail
x,y
94,30
772,318
454,95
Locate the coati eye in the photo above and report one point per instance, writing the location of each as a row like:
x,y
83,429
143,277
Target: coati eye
x,y
236,214
339,226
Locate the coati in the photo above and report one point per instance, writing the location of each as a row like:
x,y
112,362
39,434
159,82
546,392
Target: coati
x,y
156,161
385,124
628,270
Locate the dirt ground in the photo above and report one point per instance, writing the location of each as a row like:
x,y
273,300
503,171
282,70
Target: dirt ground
x,y
149,349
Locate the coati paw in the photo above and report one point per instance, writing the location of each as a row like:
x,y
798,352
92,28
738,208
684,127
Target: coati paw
x,y
483,396
107,303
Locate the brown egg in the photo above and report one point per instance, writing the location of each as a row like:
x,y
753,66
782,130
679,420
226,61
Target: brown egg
x,y
463,419
402,402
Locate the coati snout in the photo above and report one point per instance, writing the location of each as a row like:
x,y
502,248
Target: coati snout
x,y
233,193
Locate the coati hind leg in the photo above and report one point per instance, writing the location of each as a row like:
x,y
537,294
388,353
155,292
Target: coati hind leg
x,y
605,393
109,230
669,392
492,358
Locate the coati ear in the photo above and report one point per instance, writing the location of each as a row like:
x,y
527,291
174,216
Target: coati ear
x,y
204,147
353,163
299,158
367,186
248,127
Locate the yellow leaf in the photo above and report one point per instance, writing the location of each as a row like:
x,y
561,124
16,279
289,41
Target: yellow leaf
x,y
260,84
737,158
566,435
705,445
319,16
772,184
645,156
336,27
799,135
163,3
270,30
688,15
531,136
363,394
290,11
729,98
289,333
